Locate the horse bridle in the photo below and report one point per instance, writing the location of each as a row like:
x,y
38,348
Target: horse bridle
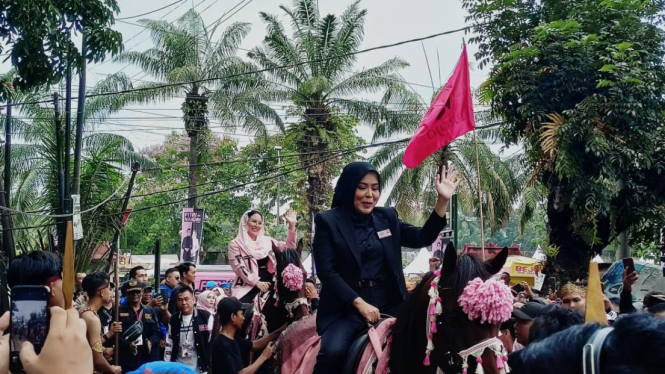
x,y
592,350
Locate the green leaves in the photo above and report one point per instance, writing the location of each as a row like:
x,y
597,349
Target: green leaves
x,y
600,66
38,35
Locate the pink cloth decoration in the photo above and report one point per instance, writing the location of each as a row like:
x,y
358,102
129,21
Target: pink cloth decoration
x,y
449,117
426,362
499,362
292,276
489,300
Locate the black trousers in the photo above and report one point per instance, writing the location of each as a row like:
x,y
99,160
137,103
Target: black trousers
x,y
337,338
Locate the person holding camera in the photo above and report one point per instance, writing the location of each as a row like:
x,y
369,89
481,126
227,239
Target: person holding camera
x,y
228,349
140,329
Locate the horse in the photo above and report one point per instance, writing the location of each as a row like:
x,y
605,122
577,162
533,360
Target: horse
x,y
268,312
409,341
455,331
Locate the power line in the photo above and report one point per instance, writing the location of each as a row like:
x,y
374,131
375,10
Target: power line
x,y
150,12
287,66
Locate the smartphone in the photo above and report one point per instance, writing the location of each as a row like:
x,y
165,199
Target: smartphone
x,y
165,295
552,283
518,287
30,319
628,263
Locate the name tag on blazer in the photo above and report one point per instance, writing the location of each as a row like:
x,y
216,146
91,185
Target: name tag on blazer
x,y
384,233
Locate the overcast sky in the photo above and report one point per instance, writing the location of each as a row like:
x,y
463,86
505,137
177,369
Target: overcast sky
x,y
388,21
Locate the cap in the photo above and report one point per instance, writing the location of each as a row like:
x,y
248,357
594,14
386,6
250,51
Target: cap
x,y
529,311
211,284
225,285
134,285
231,305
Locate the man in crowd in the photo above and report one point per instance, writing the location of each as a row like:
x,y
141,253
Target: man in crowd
x,y
39,268
626,297
135,348
573,297
523,320
158,308
188,339
172,280
553,319
138,273
187,272
96,285
228,349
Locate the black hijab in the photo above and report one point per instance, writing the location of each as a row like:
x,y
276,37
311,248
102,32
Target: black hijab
x,y
345,190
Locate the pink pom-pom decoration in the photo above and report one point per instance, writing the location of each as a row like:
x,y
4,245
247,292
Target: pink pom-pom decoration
x,y
479,360
489,300
426,362
292,276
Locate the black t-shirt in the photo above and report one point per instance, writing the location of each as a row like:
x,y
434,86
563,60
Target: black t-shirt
x,y
227,354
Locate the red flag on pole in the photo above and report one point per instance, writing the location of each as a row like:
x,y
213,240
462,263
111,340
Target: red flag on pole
x,y
449,117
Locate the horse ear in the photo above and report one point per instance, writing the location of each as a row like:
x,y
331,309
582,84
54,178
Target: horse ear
x,y
496,264
449,259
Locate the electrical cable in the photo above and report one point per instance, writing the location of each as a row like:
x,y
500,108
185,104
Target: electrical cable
x,y
150,12
280,67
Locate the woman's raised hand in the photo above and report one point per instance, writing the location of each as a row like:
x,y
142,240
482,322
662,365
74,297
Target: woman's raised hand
x,y
291,218
446,183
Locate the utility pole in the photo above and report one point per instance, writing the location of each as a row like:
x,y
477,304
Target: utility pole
x,y
76,182
8,153
68,137
61,174
279,165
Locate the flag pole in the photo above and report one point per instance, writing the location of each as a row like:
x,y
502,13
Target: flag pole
x,y
480,197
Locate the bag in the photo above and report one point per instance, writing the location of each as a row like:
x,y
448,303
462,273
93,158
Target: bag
x,y
133,332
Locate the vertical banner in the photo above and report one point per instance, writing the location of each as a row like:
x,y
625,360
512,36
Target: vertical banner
x,y
440,243
76,218
191,234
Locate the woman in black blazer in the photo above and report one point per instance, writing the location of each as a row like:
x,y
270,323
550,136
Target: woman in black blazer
x,y
357,252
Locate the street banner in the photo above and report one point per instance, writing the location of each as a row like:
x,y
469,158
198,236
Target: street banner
x,y
191,234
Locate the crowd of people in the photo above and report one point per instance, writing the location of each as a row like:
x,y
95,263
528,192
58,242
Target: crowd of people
x,y
356,247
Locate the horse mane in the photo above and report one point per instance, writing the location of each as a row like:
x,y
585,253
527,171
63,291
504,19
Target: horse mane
x,y
636,346
403,344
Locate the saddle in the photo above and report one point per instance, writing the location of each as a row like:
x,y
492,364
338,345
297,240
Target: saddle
x,y
299,345
370,351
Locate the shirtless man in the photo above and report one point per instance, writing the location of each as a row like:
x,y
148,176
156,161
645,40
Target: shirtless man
x,y
96,285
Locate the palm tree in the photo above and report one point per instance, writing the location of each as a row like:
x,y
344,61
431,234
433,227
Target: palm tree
x,y
412,190
105,158
320,83
186,59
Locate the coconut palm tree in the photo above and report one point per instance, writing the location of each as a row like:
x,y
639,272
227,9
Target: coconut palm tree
x,y
105,160
188,59
412,190
312,68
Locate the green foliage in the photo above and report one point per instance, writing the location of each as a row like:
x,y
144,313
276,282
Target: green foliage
x,y
105,158
223,210
595,69
323,88
39,35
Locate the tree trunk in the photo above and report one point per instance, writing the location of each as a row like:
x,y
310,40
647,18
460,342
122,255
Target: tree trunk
x,y
574,253
314,157
193,167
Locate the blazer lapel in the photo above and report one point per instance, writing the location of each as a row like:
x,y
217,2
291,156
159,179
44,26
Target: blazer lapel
x,y
382,227
345,226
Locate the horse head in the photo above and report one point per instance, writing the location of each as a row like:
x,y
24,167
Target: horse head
x,y
290,285
454,331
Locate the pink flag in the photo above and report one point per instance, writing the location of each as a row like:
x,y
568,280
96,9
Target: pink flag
x,y
449,117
